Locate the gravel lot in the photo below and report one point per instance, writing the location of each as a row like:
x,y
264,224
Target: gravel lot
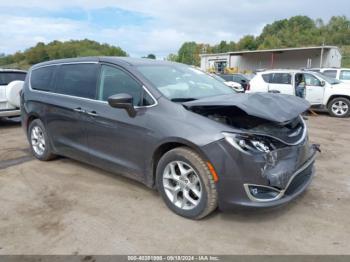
x,y
65,207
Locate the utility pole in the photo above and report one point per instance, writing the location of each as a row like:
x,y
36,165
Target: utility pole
x,y
321,59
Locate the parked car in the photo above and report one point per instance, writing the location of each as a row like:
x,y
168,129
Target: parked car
x,y
171,127
235,86
321,91
238,78
342,74
11,82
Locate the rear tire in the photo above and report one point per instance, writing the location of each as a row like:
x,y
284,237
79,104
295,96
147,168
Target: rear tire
x,y
186,184
39,142
339,107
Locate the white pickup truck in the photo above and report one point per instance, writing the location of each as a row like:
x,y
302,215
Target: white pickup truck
x,y
11,83
321,91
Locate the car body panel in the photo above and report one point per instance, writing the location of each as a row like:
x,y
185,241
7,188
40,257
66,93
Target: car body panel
x,y
94,132
316,95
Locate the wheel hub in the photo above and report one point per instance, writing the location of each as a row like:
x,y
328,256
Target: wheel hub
x,y
38,140
340,108
182,185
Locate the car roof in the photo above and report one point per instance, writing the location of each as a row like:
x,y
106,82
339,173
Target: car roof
x,y
281,71
334,68
109,59
9,70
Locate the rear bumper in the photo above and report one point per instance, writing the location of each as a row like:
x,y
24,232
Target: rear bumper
x,y
9,113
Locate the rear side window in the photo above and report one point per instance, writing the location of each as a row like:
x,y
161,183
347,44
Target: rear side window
x,y
226,77
8,77
330,73
266,77
345,75
281,78
41,78
77,80
237,79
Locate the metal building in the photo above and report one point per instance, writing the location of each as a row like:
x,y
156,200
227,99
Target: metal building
x,y
286,58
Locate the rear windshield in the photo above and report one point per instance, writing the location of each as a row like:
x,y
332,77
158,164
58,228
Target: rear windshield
x,y
8,77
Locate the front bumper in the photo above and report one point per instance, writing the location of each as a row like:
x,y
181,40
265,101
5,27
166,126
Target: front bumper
x,y
287,171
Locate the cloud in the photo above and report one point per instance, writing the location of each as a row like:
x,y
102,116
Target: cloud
x,y
148,26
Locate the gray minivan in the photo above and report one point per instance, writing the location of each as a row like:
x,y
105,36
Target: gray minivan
x,y
171,127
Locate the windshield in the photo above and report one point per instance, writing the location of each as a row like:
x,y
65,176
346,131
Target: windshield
x,y
183,83
330,80
8,77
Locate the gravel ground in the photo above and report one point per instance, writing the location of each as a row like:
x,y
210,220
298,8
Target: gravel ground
x,y
65,207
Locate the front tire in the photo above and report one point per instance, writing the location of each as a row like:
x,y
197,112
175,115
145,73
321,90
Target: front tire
x,y
186,184
39,142
339,107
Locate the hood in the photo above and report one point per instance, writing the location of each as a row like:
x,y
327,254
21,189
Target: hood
x,y
278,108
342,85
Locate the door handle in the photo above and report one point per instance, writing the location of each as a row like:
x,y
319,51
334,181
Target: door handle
x,y
79,110
92,113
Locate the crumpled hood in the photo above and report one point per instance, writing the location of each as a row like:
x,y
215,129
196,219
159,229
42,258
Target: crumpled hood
x,y
273,107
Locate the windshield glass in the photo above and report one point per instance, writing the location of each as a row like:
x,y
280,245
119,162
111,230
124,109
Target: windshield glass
x,y
330,80
181,82
8,77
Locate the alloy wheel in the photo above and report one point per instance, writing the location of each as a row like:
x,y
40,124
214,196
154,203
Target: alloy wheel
x,y
182,185
38,140
340,108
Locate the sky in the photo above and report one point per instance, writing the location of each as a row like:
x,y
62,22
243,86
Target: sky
x,y
141,27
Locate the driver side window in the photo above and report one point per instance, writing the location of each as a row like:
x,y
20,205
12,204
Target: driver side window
x,y
310,80
115,81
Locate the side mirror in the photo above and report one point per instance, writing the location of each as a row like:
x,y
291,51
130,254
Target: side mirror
x,y
124,101
323,83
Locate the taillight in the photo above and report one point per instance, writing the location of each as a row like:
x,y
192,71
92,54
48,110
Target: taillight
x,y
248,87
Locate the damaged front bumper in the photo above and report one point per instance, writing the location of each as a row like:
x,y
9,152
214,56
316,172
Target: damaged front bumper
x,y
261,180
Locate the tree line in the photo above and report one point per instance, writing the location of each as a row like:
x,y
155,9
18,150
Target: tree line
x,y
57,49
296,31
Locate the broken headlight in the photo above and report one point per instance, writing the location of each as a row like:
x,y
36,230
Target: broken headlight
x,y
250,143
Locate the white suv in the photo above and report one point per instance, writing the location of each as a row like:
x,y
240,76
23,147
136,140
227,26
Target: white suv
x,y
342,74
321,91
11,83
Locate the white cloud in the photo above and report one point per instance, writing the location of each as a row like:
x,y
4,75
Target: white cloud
x,y
173,21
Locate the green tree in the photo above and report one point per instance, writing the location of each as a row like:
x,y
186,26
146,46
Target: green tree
x,y
172,57
248,42
188,54
151,56
56,49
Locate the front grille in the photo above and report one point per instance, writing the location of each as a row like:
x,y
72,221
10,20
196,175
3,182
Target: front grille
x,y
299,180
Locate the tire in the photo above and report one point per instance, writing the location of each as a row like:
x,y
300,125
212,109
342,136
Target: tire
x,y
192,195
339,107
39,142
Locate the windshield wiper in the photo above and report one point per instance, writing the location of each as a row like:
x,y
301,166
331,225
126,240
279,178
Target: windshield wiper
x,y
183,99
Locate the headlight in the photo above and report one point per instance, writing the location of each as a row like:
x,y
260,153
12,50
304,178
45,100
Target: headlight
x,y
249,143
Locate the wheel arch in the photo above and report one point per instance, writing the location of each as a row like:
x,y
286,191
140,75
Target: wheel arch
x,y
330,99
30,119
165,147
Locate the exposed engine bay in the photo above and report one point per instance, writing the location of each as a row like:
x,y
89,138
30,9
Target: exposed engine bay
x,y
289,132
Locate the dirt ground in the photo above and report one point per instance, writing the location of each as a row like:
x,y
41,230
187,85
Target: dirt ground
x,y
65,207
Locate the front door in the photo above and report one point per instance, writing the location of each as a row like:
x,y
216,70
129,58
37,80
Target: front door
x,y
314,90
117,141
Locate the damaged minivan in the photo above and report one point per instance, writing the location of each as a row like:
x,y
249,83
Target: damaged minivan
x,y
173,128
